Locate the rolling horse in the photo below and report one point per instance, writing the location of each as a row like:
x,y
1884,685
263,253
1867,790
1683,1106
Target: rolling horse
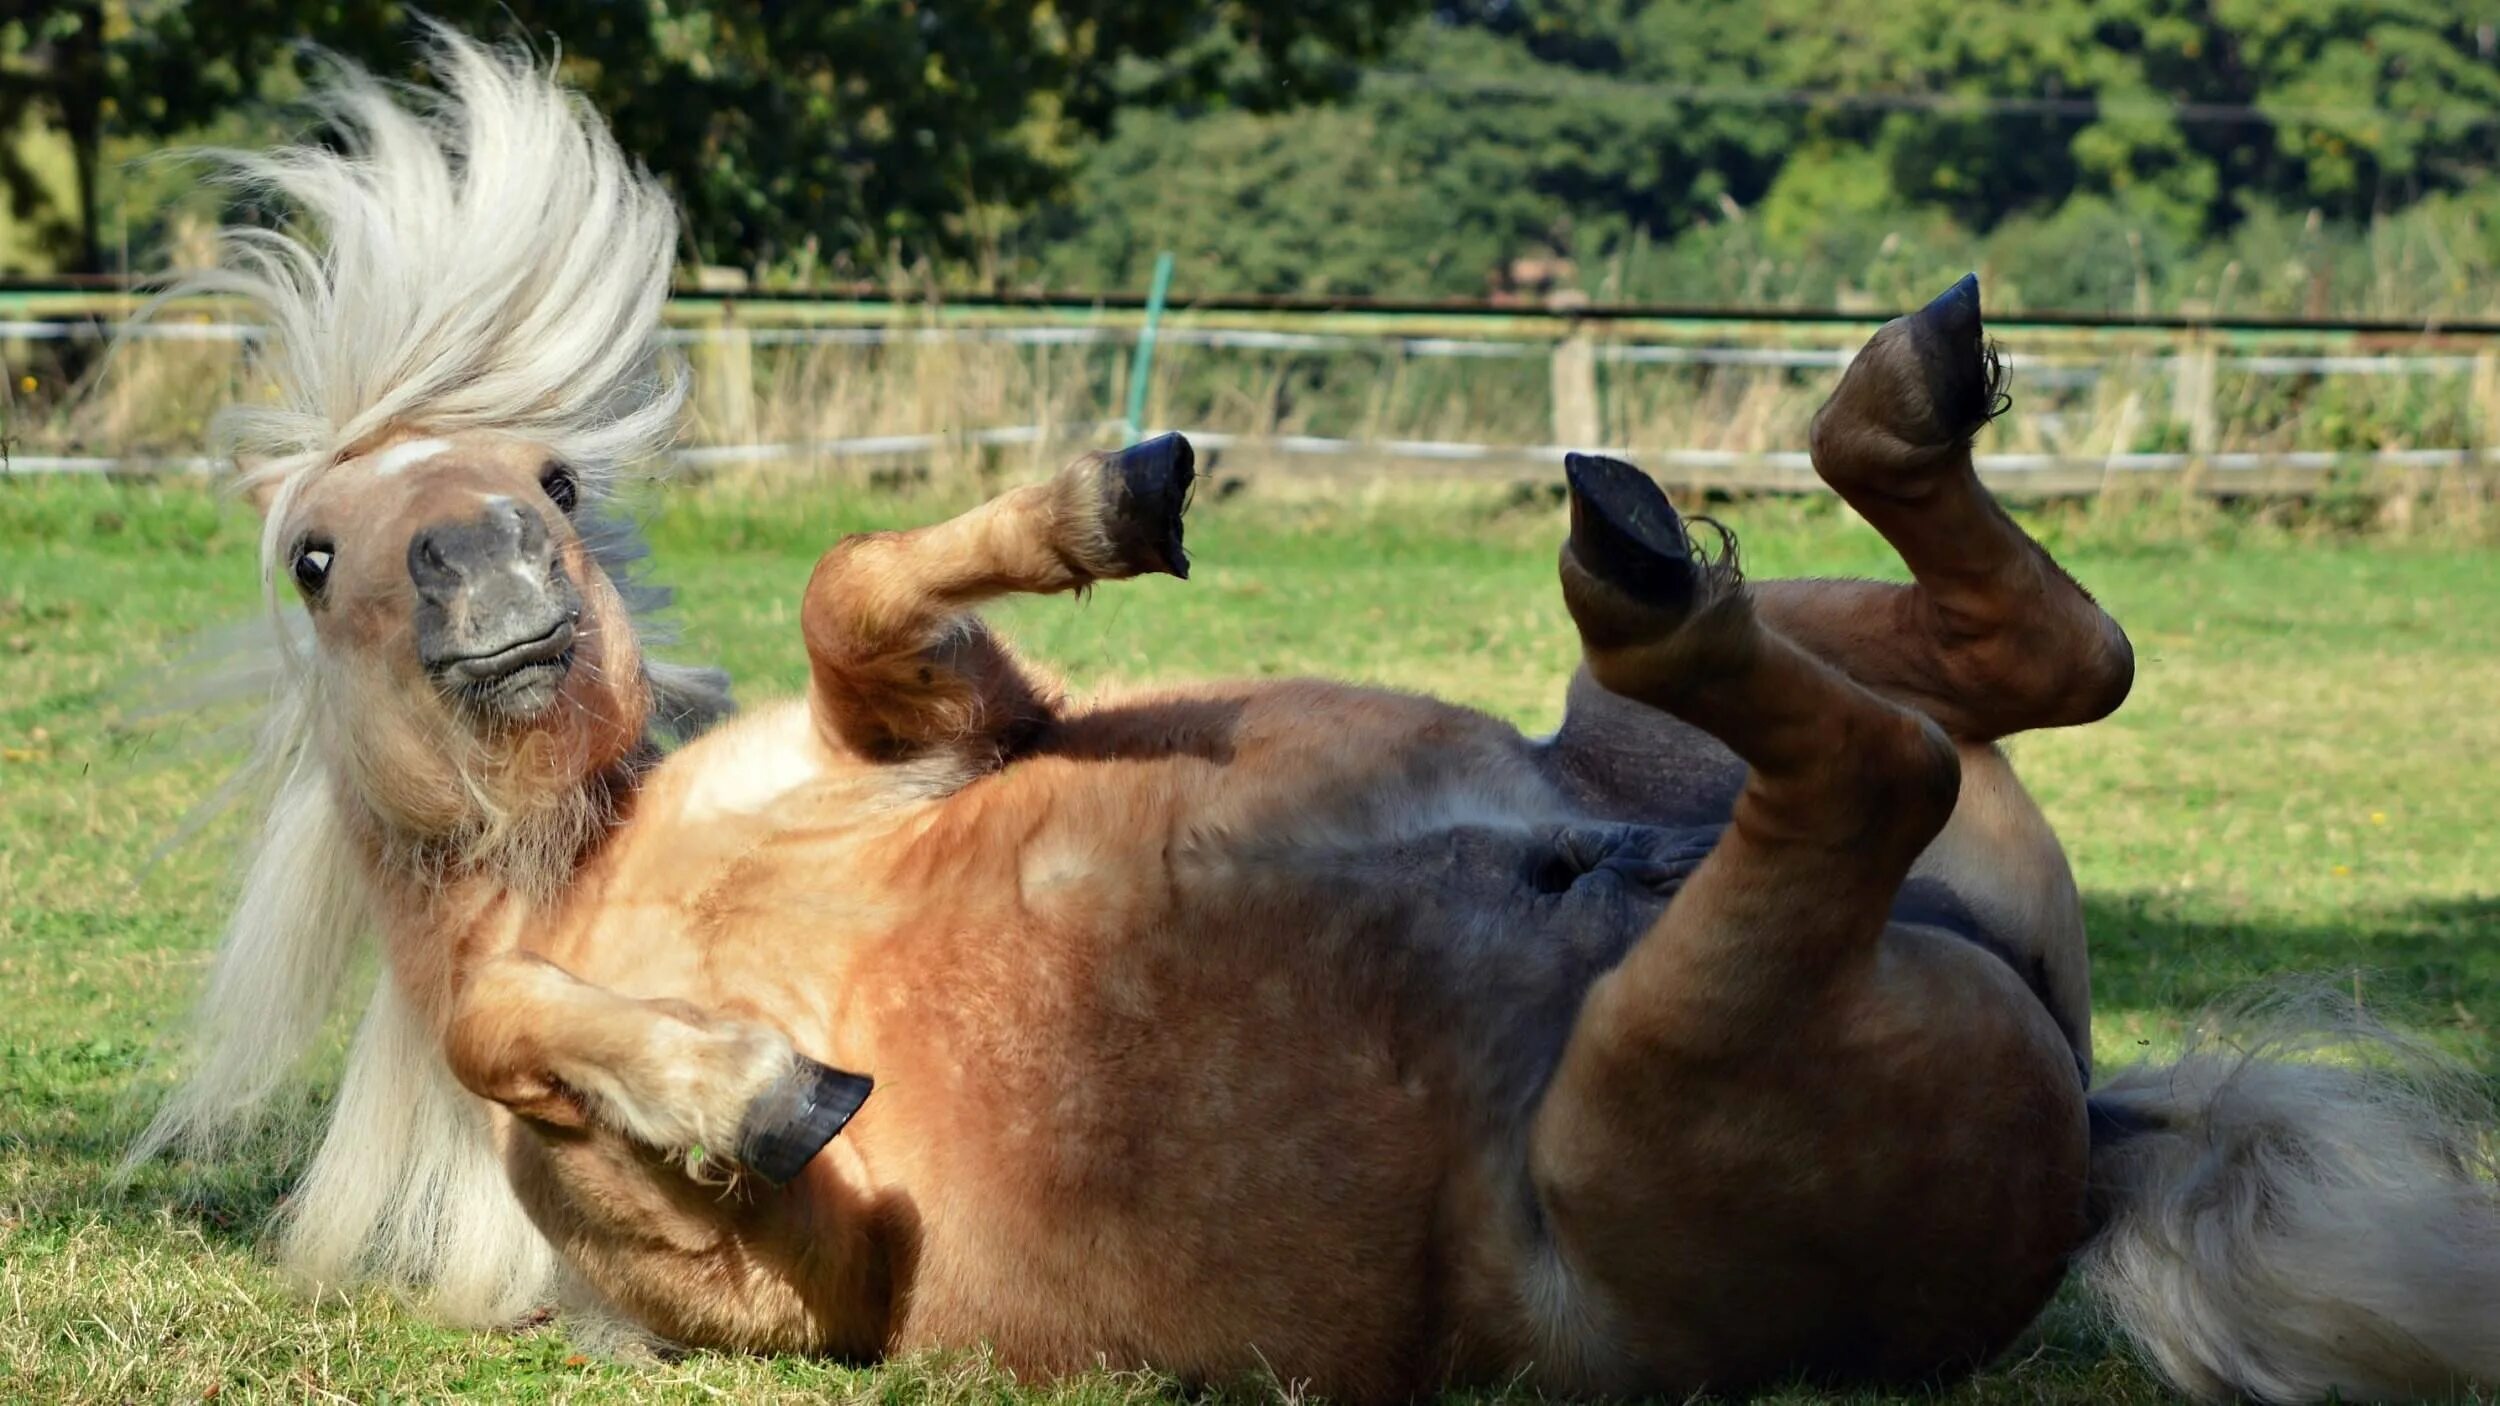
x,y
1737,1033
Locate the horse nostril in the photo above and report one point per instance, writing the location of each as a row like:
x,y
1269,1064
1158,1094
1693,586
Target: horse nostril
x,y
429,566
504,538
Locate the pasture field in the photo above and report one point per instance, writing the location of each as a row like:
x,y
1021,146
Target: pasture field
x,y
2306,781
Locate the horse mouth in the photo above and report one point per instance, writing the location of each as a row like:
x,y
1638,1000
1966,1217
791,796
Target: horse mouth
x,y
513,678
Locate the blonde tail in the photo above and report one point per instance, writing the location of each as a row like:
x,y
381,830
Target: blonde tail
x,y
2302,1207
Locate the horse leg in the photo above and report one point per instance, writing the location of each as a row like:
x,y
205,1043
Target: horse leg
x,y
1747,1158
1994,637
720,1092
900,670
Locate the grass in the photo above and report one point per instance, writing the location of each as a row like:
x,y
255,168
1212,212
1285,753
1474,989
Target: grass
x,y
2303,783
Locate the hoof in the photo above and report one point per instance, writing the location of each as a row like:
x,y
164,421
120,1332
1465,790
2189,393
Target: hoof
x,y
1964,376
1145,490
1626,534
1923,387
792,1121
1954,313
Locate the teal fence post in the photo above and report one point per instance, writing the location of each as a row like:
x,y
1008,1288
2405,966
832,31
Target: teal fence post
x,y
1143,367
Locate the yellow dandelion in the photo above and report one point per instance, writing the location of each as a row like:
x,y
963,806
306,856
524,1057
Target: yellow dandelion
x,y
2378,817
2341,871
27,384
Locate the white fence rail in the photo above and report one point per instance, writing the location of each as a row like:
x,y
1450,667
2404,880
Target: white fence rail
x,y
1779,469
2041,369
2172,384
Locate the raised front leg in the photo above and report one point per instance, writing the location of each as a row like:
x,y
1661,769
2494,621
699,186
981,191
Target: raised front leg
x,y
900,668
720,1092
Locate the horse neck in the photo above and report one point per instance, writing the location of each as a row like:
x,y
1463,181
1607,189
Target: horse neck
x,y
443,904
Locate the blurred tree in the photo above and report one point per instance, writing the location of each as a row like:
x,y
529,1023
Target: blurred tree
x,y
2090,150
869,129
87,68
861,130
1653,139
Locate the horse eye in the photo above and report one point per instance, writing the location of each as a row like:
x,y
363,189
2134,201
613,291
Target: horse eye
x,y
312,566
561,490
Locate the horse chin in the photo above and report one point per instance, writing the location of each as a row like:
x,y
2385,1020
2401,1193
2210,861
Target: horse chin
x,y
521,696
514,678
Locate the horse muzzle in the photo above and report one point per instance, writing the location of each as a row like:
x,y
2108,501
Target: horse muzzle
x,y
498,619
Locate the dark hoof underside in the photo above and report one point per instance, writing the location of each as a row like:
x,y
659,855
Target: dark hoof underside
x,y
792,1121
1145,492
1625,533
1964,375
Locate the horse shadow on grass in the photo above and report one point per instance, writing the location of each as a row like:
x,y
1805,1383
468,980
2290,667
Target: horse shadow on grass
x,y
2428,964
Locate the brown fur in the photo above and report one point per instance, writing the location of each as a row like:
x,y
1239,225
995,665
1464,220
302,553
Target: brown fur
x,y
1152,1088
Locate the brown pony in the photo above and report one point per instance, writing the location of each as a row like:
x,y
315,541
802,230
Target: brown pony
x,y
1736,1033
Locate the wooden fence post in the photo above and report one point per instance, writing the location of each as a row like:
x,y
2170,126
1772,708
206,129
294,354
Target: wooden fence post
x,y
2487,402
725,379
1576,421
2192,402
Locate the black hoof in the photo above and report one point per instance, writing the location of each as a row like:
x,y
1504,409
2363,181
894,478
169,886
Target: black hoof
x,y
792,1121
1625,533
1955,312
1963,375
1145,492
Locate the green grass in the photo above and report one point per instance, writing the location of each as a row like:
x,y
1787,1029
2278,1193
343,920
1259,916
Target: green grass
x,y
2303,782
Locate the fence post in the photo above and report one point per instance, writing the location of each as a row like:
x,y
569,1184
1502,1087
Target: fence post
x,y
2487,402
725,367
1141,370
1575,389
2192,400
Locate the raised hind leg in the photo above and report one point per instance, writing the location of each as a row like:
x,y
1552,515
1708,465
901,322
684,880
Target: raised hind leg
x,y
1991,638
900,668
1994,637
1786,1135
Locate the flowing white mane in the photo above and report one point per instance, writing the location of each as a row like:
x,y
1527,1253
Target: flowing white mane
x,y
483,257
480,258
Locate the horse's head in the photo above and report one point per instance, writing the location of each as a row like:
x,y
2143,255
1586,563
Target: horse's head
x,y
454,565
458,301
473,651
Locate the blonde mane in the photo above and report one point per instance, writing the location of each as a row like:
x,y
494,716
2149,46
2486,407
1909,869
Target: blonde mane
x,y
479,258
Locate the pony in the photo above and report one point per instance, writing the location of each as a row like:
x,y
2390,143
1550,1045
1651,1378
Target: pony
x,y
1735,1034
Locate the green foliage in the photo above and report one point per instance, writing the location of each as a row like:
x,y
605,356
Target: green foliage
x,y
2098,155
2257,156
852,133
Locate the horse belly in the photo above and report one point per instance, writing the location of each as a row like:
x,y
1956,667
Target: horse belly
x,y
1136,1155
1268,1121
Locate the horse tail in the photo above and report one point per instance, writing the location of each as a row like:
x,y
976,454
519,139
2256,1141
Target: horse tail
x,y
2302,1207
